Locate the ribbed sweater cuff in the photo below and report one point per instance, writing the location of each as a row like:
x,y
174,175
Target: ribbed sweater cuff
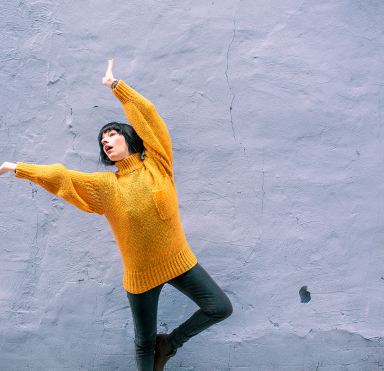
x,y
25,171
123,92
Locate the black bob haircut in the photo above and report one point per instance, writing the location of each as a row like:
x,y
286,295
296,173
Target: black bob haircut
x,y
134,142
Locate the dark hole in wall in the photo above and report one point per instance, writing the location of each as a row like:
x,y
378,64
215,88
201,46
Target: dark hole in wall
x,y
305,295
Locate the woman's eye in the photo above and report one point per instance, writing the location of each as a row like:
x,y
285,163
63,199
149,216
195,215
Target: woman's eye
x,y
112,134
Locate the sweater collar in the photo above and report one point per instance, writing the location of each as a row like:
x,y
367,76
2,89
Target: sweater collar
x,y
129,164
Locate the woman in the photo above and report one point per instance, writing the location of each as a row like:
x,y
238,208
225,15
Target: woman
x,y
140,204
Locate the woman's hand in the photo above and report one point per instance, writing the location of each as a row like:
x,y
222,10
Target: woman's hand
x,y
108,78
7,166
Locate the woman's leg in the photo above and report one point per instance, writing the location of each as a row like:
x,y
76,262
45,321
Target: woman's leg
x,y
144,313
214,304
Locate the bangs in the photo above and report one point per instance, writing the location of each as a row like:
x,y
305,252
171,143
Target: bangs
x,y
109,127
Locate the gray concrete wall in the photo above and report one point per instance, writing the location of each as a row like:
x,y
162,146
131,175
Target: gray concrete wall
x,y
275,110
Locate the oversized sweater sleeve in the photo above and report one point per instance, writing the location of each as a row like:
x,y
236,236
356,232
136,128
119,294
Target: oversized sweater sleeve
x,y
79,189
147,123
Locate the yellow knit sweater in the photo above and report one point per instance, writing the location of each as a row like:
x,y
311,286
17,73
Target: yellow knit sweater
x,y
139,200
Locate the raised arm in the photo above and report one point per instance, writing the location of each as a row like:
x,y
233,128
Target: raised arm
x,y
144,118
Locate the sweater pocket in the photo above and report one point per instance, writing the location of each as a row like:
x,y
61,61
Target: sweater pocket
x,y
165,200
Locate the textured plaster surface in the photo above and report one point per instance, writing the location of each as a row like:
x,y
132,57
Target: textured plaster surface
x,y
275,109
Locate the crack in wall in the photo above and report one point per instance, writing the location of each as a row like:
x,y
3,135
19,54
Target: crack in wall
x,y
69,123
226,74
71,131
230,88
245,154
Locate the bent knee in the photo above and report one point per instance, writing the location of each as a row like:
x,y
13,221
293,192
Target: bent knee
x,y
224,311
228,310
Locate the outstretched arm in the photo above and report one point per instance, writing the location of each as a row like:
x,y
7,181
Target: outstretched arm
x,y
79,189
7,166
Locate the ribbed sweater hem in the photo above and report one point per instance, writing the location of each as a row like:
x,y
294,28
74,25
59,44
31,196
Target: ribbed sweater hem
x,y
139,282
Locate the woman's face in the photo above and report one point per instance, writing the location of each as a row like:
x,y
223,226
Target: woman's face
x,y
114,145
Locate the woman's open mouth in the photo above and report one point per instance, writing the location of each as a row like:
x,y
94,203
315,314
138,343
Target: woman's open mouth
x,y
107,148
